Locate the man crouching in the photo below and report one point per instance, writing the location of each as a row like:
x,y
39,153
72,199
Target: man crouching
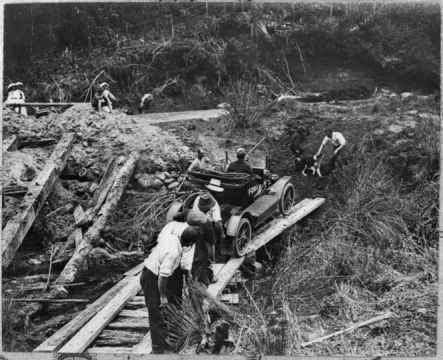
x,y
161,264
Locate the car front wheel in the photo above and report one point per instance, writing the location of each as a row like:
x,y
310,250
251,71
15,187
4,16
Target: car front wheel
x,y
287,198
243,237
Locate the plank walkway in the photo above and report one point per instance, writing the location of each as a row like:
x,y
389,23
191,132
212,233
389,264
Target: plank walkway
x,y
158,118
118,321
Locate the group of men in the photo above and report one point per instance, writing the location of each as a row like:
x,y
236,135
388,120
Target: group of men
x,y
184,252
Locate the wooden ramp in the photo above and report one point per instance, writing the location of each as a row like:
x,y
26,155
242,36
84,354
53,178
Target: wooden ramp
x,y
38,191
158,118
118,321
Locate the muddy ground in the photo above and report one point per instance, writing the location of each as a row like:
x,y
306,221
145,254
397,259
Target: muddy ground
x,y
384,115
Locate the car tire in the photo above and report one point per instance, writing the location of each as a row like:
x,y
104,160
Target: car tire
x,y
286,201
243,237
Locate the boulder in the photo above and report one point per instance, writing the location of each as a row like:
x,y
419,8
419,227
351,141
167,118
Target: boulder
x,y
173,185
157,184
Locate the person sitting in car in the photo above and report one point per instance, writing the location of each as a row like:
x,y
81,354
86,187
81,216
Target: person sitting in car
x,y
240,165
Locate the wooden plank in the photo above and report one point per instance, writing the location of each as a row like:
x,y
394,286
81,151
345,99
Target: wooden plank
x,y
275,227
109,350
14,190
118,338
224,276
135,270
110,167
144,346
42,104
38,191
79,216
89,332
129,323
10,144
231,298
78,237
143,313
216,268
59,338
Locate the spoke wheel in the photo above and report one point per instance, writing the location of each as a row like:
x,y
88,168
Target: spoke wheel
x,y
286,201
243,237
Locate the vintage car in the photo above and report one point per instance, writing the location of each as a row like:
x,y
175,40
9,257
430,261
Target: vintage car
x,y
246,201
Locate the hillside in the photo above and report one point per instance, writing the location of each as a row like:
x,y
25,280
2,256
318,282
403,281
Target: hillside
x,y
368,71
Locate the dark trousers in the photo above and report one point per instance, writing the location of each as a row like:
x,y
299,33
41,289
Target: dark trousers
x,y
157,327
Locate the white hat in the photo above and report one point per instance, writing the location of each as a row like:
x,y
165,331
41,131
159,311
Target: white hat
x,y
214,185
19,83
12,85
103,84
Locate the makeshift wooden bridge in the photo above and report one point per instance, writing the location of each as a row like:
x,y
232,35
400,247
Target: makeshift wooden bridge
x,y
118,321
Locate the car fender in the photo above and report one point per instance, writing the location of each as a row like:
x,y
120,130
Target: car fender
x,y
277,188
233,222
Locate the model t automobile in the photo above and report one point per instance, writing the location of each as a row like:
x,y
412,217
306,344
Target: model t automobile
x,y
246,201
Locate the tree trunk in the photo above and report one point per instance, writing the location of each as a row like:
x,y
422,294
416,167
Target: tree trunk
x,y
92,236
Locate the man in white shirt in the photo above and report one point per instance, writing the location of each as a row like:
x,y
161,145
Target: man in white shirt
x,y
161,263
201,162
145,103
107,97
337,140
17,96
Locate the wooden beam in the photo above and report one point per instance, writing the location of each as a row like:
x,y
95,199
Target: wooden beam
x,y
275,227
143,313
110,167
118,338
38,191
79,216
10,144
43,104
144,346
129,323
58,339
51,300
14,190
74,267
90,331
135,270
224,276
109,350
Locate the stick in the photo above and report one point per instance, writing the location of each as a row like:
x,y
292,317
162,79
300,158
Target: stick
x,y
93,81
255,147
50,268
351,328
52,300
301,57
61,210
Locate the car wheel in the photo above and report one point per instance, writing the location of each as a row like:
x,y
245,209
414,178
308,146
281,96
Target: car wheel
x,y
287,198
243,237
173,210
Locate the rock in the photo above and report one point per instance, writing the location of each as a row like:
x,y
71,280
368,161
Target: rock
x,y
393,95
412,112
174,174
161,176
167,174
395,128
93,187
34,262
173,185
146,181
379,132
406,95
169,181
224,105
157,184
85,144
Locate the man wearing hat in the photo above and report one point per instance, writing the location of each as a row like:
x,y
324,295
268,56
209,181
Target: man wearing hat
x,y
107,97
145,102
240,166
199,163
16,96
159,266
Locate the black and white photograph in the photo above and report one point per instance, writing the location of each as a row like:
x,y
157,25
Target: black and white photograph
x,y
240,179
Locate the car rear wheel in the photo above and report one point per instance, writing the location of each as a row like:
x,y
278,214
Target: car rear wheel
x,y
287,198
243,237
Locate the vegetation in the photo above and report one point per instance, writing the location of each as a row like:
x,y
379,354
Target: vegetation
x,y
205,50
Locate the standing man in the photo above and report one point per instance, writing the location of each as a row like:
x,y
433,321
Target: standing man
x,y
145,103
17,96
240,166
158,267
107,97
337,140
